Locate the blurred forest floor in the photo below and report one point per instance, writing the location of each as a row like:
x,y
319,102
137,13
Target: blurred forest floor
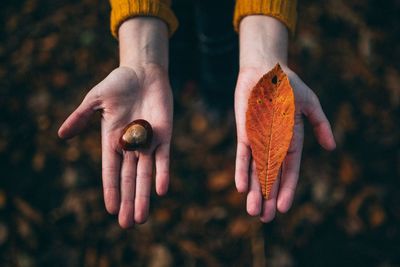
x,y
347,206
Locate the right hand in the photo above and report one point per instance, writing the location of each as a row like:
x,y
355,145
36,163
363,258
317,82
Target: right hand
x,y
138,89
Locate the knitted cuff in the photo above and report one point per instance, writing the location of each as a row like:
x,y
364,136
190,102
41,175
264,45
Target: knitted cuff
x,y
283,10
122,10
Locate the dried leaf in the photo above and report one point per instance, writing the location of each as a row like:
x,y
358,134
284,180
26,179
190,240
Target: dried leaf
x,y
220,180
269,125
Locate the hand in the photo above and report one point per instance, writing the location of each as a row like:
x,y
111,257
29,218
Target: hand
x,y
138,89
263,43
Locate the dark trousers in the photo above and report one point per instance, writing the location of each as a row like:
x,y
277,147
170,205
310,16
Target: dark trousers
x,y
205,49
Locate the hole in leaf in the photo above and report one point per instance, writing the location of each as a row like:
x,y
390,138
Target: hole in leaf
x,y
274,79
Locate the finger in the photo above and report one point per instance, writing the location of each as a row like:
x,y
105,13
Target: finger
x,y
128,182
78,120
162,169
291,168
321,126
242,167
269,205
243,152
143,187
111,166
254,196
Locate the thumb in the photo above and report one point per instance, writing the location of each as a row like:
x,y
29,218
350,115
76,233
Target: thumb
x,y
321,125
79,119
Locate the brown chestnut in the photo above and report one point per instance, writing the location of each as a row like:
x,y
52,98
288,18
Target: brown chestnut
x,y
136,135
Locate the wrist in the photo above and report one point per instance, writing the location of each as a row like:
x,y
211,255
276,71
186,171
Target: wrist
x,y
263,42
143,41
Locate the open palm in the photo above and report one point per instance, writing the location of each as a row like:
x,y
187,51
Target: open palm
x,y
127,94
282,193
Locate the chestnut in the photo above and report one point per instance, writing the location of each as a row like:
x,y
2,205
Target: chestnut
x,y
136,135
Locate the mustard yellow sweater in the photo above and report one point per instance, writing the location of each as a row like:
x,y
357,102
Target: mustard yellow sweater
x,y
121,10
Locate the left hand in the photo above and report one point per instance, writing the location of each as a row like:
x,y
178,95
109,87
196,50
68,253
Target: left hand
x,y
263,43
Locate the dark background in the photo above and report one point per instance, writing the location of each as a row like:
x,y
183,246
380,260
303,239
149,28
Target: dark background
x,y
346,211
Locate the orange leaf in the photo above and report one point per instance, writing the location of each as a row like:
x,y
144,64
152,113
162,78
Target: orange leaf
x,y
269,125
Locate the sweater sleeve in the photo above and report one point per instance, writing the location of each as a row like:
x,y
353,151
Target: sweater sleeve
x,y
122,10
283,10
